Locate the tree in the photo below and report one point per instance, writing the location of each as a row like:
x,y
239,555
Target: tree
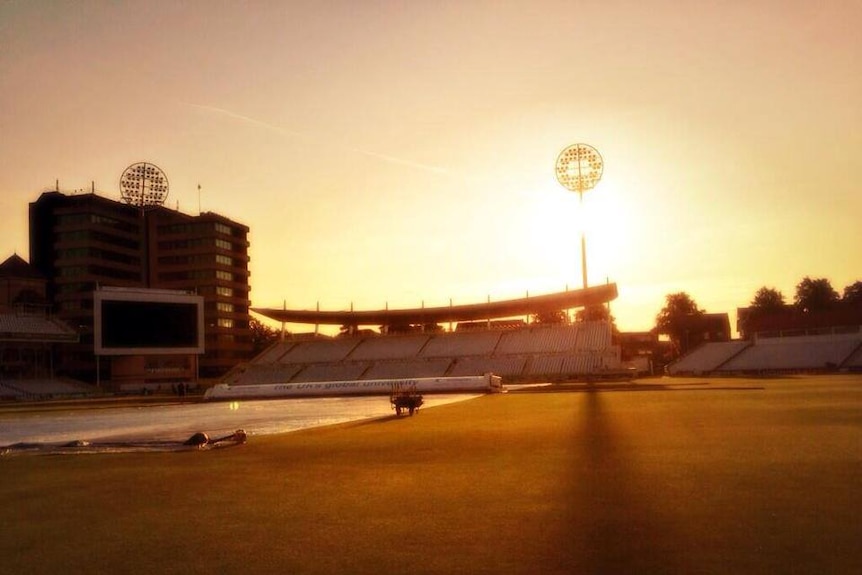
x,y
815,295
853,294
556,316
262,336
593,313
767,300
675,318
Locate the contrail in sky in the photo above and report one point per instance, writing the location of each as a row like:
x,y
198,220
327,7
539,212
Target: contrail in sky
x,y
280,130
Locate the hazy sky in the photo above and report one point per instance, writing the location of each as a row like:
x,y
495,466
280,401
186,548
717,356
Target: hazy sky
x,y
399,152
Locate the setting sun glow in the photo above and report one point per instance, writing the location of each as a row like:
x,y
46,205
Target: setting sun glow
x,y
404,154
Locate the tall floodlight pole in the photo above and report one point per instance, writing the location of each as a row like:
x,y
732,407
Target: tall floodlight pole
x,y
579,169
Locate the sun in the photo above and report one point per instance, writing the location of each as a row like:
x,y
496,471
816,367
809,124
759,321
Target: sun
x,y
557,220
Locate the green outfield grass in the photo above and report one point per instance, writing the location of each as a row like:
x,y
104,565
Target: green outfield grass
x,y
719,476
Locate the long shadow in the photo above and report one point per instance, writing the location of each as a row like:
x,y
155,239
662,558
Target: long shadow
x,y
615,525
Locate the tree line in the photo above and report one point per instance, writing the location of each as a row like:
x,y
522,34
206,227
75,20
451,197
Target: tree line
x,y
812,295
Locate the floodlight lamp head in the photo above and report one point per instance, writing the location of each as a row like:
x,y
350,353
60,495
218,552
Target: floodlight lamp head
x,y
579,168
144,185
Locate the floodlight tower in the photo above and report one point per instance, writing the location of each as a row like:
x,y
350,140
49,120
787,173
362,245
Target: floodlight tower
x,y
579,169
145,186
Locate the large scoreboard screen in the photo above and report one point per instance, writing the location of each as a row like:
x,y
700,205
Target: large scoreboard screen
x,y
139,321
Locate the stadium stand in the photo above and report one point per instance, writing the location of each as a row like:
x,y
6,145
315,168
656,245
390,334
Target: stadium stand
x,y
462,344
25,325
553,352
510,367
262,373
48,388
549,366
582,364
828,352
337,371
275,352
708,357
854,362
793,353
392,347
540,339
318,350
422,367
593,336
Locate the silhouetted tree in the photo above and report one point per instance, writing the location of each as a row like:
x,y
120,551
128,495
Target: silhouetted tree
x,y
815,294
262,336
767,300
593,313
675,318
853,294
598,313
550,317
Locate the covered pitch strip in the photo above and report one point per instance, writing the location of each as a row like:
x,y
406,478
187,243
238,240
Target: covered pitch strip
x,y
488,383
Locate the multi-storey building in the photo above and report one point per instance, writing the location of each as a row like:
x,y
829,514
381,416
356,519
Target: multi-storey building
x,y
84,241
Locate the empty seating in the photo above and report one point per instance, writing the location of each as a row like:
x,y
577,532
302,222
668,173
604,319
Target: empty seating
x,y
594,336
506,366
708,357
462,344
45,388
319,350
392,347
581,364
539,339
265,373
537,351
436,367
275,352
800,353
331,372
793,353
546,366
29,324
855,359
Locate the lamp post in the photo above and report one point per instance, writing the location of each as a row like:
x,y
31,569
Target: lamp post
x,y
579,169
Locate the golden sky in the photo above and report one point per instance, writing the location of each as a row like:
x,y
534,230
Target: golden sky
x,y
403,152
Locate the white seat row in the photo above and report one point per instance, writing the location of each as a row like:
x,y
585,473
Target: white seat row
x,y
319,350
462,344
550,349
709,357
347,371
792,355
436,367
391,347
811,352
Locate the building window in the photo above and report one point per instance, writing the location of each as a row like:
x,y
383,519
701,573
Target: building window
x,y
72,271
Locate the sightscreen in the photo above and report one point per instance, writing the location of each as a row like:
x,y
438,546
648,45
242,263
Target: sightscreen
x,y
137,322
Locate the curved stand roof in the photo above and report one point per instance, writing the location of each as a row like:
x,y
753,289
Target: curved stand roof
x,y
596,295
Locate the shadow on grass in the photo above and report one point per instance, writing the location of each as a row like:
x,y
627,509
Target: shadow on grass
x,y
633,387
615,525
375,421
